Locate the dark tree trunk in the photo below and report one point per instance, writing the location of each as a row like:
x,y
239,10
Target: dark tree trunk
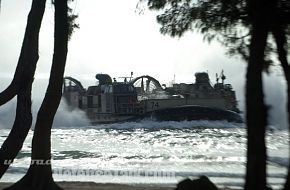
x,y
21,85
281,42
39,176
29,53
256,111
22,123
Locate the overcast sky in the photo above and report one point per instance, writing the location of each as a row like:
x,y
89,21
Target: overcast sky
x,y
114,39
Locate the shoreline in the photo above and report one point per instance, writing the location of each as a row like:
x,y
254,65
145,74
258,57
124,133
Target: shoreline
x,y
79,185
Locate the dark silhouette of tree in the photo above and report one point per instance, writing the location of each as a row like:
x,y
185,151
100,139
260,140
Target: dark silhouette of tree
x,y
256,115
39,174
21,86
242,26
280,30
281,41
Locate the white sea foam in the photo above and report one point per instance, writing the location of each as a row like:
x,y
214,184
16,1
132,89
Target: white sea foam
x,y
151,124
187,151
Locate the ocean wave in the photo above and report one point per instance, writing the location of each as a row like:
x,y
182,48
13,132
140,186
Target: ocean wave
x,y
149,124
281,161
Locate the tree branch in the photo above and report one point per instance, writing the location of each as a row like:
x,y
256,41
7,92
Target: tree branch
x,y
281,42
9,93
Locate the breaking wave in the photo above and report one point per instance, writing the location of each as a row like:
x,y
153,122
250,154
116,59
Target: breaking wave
x,y
281,161
150,124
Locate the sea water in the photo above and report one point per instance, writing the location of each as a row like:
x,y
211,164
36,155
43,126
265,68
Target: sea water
x,y
154,152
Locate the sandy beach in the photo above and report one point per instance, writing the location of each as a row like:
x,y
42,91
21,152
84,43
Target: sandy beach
x,y
107,186
99,186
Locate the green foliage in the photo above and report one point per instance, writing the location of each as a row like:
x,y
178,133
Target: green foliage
x,y
156,4
71,20
72,23
226,21
223,20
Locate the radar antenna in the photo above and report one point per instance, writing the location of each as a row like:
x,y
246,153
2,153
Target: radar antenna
x,y
222,76
217,78
126,78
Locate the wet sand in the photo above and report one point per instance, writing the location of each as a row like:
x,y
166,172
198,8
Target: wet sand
x,y
107,186
99,186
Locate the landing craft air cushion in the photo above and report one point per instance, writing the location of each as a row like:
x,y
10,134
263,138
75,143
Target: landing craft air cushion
x,y
143,97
